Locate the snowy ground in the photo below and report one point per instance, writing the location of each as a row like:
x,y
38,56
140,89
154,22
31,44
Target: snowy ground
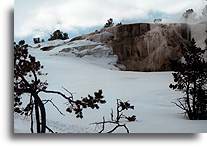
x,y
148,92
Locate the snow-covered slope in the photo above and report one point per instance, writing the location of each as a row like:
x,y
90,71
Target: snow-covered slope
x,y
92,52
148,92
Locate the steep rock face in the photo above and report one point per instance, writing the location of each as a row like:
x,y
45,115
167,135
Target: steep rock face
x,y
149,47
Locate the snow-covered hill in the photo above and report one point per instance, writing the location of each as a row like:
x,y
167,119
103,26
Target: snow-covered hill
x,y
84,71
92,52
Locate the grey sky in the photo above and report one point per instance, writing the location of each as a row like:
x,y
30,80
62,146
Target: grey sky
x,y
37,17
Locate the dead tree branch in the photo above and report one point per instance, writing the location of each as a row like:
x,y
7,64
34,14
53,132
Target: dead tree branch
x,y
46,101
120,108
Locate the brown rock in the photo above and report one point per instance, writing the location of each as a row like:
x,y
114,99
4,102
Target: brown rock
x,y
143,46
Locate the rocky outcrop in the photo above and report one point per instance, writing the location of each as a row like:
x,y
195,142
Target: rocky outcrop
x,y
143,46
47,48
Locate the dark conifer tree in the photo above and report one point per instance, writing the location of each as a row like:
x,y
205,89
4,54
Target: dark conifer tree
x,y
65,36
36,40
57,34
109,23
190,77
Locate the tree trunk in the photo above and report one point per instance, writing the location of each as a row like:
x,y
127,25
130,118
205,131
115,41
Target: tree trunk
x,y
37,116
40,114
188,103
194,101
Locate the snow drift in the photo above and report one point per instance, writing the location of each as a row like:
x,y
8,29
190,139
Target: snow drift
x,y
90,63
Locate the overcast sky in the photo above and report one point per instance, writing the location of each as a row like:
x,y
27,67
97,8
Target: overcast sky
x,y
38,17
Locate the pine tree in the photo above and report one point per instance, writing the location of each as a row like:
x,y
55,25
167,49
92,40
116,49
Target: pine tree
x,y
57,34
65,36
109,23
36,40
190,77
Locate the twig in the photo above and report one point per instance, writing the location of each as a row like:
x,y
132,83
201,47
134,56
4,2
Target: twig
x,y
103,125
111,131
70,98
68,92
49,129
119,115
46,101
181,106
111,122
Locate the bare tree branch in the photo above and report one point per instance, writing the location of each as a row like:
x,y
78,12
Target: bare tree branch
x,y
49,129
46,101
103,126
111,131
68,92
121,106
69,98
